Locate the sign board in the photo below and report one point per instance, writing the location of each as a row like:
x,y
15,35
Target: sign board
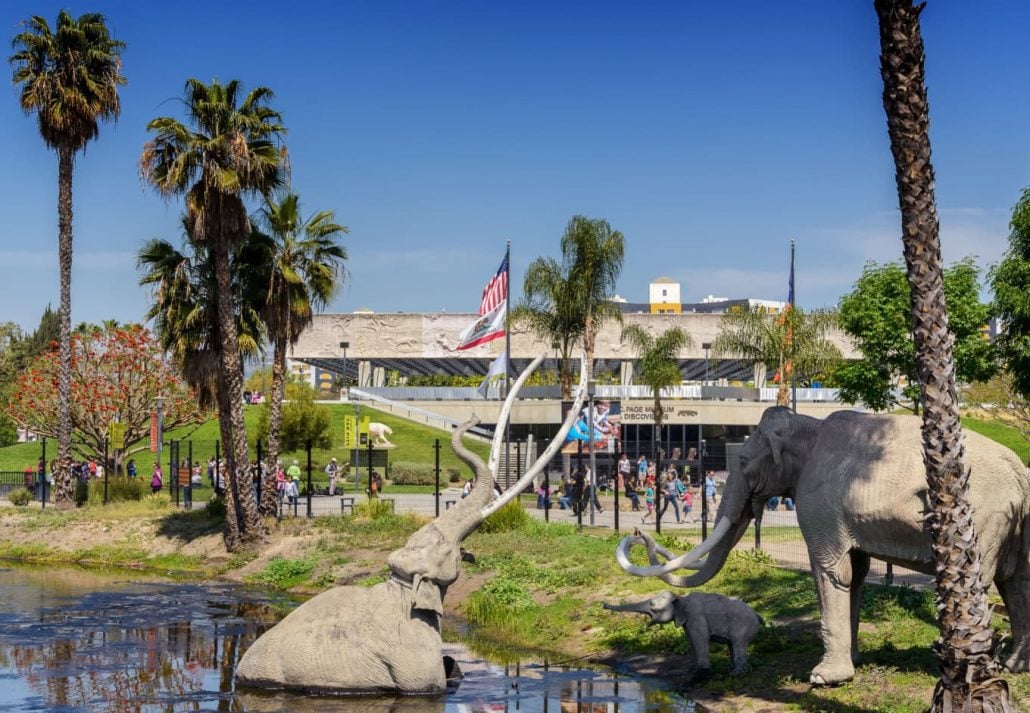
x,y
350,432
116,436
363,431
153,432
184,476
642,412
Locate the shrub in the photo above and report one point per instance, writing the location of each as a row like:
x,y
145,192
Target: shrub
x,y
374,509
119,489
215,508
282,572
510,518
454,474
411,473
19,497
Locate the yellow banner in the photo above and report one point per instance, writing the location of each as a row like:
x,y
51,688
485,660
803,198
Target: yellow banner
x,y
116,435
350,432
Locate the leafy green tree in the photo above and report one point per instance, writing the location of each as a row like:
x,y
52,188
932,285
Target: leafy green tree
x,y
794,340
229,150
548,309
68,78
877,315
305,268
966,649
657,362
1010,281
592,256
303,420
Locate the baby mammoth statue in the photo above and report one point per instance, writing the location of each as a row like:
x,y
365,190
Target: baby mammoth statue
x,y
704,617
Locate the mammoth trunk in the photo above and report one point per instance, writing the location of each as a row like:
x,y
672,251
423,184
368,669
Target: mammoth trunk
x,y
736,508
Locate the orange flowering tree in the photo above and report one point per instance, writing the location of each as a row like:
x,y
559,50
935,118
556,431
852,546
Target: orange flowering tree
x,y
117,374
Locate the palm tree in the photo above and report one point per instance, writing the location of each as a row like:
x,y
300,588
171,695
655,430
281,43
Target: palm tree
x,y
793,340
185,317
305,270
592,254
548,311
658,367
969,671
69,79
230,150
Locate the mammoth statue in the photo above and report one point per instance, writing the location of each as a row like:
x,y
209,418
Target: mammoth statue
x,y
704,618
386,639
859,485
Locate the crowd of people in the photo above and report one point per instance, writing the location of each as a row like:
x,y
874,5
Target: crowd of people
x,y
640,484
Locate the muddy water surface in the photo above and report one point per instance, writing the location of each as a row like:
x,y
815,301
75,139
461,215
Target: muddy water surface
x,y
78,640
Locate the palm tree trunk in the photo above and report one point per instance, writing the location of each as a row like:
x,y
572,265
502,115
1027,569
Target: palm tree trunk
x,y
64,487
275,410
233,514
238,477
969,672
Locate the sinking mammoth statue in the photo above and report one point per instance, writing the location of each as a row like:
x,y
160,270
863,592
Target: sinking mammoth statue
x,y
386,639
705,618
859,486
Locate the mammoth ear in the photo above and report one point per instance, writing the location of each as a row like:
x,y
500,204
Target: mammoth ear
x,y
679,612
777,434
426,595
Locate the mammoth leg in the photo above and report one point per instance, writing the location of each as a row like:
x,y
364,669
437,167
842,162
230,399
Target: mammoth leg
x,y
834,586
1015,592
700,641
738,655
859,570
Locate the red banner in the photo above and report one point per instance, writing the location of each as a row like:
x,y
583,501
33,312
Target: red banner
x,y
153,432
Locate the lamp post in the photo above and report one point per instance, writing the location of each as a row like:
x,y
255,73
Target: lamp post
x,y
343,346
591,389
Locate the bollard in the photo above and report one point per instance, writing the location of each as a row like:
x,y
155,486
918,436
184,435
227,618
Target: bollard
x,y
308,448
436,447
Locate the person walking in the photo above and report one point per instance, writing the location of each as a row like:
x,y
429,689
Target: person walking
x,y
156,479
671,495
648,499
293,486
333,471
710,492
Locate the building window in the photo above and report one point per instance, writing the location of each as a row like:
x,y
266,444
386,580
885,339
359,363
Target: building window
x,y
664,293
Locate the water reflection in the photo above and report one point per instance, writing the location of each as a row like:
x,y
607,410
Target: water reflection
x,y
73,640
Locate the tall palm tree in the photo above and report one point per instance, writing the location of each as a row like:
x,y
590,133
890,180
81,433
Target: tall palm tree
x,y
547,310
795,337
231,149
69,79
658,367
969,671
185,318
305,269
593,254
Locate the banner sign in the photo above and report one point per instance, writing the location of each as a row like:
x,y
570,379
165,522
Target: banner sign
x,y
116,436
350,432
153,432
642,412
604,434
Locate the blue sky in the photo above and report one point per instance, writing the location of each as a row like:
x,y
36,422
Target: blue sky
x,y
710,134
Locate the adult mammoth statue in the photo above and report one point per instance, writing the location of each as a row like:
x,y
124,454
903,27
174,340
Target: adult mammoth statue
x,y
386,639
859,485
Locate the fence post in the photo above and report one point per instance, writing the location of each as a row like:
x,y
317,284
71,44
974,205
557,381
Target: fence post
x,y
547,494
260,473
582,481
436,447
189,483
42,476
704,486
308,447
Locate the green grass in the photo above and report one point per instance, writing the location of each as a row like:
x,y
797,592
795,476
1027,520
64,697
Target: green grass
x,y
1004,434
414,443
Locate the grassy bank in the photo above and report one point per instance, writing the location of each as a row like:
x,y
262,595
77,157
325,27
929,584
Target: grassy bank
x,y
534,586
414,443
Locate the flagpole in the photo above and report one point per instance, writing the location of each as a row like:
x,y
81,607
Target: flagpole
x,y
793,366
507,361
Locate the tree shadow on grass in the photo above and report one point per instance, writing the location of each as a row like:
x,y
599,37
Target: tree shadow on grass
x,y
188,525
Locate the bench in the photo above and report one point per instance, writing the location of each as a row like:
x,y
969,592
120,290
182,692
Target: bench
x,y
347,501
447,504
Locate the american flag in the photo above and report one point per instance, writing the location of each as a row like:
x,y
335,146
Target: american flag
x,y
496,291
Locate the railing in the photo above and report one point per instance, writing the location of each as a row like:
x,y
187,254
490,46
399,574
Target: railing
x,y
413,413
687,391
13,480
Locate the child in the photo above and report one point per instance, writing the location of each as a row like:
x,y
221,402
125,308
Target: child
x,y
648,499
688,504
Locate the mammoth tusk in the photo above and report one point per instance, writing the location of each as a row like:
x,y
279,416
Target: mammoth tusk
x,y
502,420
548,453
689,560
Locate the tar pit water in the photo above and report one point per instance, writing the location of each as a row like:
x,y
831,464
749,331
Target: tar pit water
x,y
79,640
